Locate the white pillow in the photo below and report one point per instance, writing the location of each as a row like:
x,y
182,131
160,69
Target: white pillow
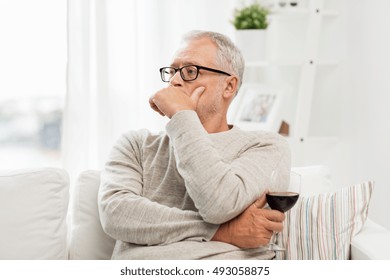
x,y
322,226
88,240
315,179
34,205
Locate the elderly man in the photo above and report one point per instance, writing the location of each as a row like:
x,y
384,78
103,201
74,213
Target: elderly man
x,y
197,190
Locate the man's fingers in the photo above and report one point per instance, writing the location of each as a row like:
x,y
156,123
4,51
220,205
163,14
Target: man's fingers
x,y
196,94
154,106
274,226
274,215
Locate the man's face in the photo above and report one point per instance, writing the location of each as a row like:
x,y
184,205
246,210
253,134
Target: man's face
x,y
202,52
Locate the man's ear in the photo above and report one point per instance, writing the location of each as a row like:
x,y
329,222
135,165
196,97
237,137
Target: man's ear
x,y
231,87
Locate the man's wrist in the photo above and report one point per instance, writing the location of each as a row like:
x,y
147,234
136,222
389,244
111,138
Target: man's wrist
x,y
222,234
177,111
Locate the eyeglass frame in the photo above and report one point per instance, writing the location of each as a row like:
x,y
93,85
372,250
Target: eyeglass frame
x,y
198,67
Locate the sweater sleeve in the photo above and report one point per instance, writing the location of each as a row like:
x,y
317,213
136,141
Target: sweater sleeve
x,y
128,216
221,190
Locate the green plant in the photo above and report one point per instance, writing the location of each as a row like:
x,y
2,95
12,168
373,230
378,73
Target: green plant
x,y
251,17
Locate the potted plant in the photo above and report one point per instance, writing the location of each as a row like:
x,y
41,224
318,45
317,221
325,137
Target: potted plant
x,y
251,23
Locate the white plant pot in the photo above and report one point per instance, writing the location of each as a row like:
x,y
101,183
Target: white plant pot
x,y
252,43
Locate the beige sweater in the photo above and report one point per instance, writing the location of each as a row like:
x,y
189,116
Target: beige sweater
x,y
163,196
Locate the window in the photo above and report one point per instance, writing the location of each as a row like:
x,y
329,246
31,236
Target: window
x,y
33,82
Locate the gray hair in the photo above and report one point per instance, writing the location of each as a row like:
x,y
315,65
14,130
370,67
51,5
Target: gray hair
x,y
228,55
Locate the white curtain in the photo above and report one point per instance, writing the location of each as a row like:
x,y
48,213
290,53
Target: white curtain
x,y
115,49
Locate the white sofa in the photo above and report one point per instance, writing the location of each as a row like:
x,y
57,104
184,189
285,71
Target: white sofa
x,y
40,220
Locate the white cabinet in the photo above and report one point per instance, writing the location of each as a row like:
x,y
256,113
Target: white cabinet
x,y
304,51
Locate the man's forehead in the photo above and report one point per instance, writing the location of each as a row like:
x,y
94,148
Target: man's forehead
x,y
184,56
198,51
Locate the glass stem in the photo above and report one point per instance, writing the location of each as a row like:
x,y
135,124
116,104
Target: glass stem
x,y
275,238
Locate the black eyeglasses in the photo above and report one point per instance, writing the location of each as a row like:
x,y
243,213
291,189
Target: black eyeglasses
x,y
187,73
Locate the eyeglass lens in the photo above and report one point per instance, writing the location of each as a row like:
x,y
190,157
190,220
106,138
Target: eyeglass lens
x,y
187,73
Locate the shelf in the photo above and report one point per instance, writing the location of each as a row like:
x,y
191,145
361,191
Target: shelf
x,y
299,13
301,56
289,14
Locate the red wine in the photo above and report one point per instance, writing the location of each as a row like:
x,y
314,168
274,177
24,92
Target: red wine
x,y
282,201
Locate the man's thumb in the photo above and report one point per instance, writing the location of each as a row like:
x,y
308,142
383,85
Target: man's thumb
x,y
261,201
197,93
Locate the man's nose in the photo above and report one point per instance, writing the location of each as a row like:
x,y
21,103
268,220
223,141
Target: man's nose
x,y
176,80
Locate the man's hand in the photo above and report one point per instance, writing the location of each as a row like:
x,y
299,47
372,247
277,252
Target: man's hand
x,y
170,100
252,228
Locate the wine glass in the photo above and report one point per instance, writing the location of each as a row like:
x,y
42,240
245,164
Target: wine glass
x,y
282,200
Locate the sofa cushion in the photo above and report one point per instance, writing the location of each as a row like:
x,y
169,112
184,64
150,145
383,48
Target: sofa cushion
x,y
322,226
34,205
315,179
88,240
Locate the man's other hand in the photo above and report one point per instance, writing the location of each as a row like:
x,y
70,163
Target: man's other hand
x,y
252,228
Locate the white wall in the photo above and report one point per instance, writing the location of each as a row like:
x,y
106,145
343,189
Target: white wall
x,y
367,94
362,151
